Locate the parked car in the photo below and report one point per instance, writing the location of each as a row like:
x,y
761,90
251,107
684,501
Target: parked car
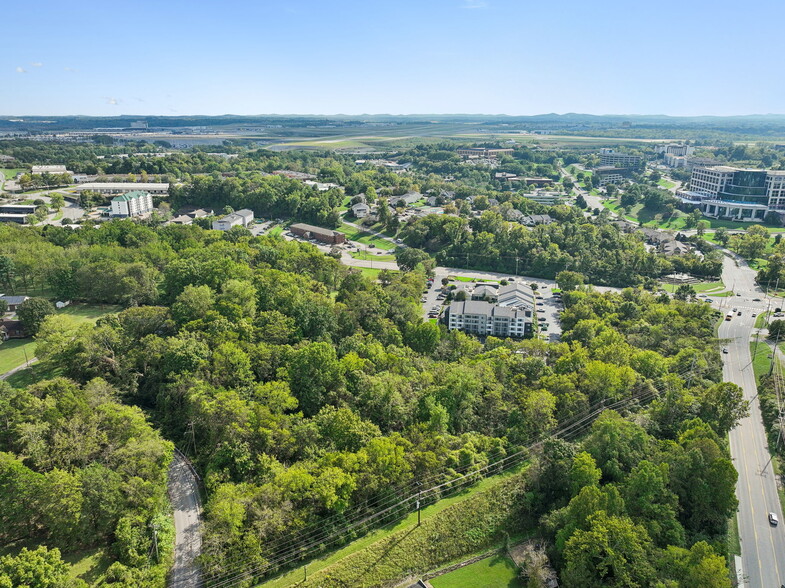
x,y
773,520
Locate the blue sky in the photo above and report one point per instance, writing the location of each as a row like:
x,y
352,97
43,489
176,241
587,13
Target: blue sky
x,y
684,57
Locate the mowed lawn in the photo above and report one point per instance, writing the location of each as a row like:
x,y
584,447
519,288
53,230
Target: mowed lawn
x,y
365,238
12,352
496,571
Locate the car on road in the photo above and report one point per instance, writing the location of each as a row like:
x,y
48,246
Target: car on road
x,y
754,314
773,520
735,309
725,350
756,299
738,313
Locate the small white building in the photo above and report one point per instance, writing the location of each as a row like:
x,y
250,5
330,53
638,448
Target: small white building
x,y
241,218
132,204
49,169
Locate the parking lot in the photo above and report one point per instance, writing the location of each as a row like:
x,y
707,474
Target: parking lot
x,y
547,306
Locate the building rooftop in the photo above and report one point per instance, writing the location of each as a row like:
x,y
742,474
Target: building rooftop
x,y
130,186
129,196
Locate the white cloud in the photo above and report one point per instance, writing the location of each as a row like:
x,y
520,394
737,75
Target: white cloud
x,y
66,68
475,4
21,70
37,64
113,101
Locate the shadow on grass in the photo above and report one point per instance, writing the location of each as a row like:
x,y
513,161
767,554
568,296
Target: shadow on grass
x,y
34,374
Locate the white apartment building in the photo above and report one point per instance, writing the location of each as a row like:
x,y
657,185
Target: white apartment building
x,y
484,318
241,218
676,149
132,204
711,180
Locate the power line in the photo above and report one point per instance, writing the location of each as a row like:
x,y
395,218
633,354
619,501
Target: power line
x,y
306,547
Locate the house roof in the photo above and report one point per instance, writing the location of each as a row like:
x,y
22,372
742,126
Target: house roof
x,y
14,299
129,196
313,229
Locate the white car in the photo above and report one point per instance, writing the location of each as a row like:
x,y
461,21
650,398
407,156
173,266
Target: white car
x,y
773,520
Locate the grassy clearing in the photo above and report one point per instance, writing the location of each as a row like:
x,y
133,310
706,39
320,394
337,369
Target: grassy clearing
x,y
9,174
371,256
467,279
734,543
13,353
89,565
706,287
761,359
35,373
667,184
496,571
364,237
762,320
372,272
448,520
276,231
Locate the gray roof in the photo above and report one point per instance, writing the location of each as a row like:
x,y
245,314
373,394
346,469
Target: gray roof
x,y
13,299
484,308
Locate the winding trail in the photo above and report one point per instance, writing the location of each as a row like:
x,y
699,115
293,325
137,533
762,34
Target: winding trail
x,y
183,488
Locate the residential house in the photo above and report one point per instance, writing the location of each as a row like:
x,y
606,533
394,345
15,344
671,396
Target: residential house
x,y
537,219
407,199
12,329
361,210
13,302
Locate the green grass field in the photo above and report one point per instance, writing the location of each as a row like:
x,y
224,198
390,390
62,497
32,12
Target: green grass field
x,y
638,214
667,184
12,352
428,514
371,256
276,231
761,361
713,288
365,238
9,174
496,571
762,320
89,565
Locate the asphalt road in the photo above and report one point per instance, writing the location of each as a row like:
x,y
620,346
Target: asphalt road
x,y
184,495
762,545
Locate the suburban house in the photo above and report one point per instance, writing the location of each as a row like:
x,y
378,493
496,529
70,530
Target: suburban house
x,y
240,218
132,204
13,302
537,219
11,329
361,210
407,199
318,233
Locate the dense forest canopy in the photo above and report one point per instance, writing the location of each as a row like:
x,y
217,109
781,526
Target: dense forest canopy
x,y
306,393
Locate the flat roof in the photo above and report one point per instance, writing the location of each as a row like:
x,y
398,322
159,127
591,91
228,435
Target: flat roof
x,y
130,186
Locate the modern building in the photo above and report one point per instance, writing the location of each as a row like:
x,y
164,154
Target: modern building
x,y
539,182
132,204
610,157
153,188
318,233
239,218
609,174
531,220
676,149
484,319
727,192
482,152
544,197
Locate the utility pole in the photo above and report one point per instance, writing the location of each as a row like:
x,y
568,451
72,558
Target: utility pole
x,y
155,539
419,494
